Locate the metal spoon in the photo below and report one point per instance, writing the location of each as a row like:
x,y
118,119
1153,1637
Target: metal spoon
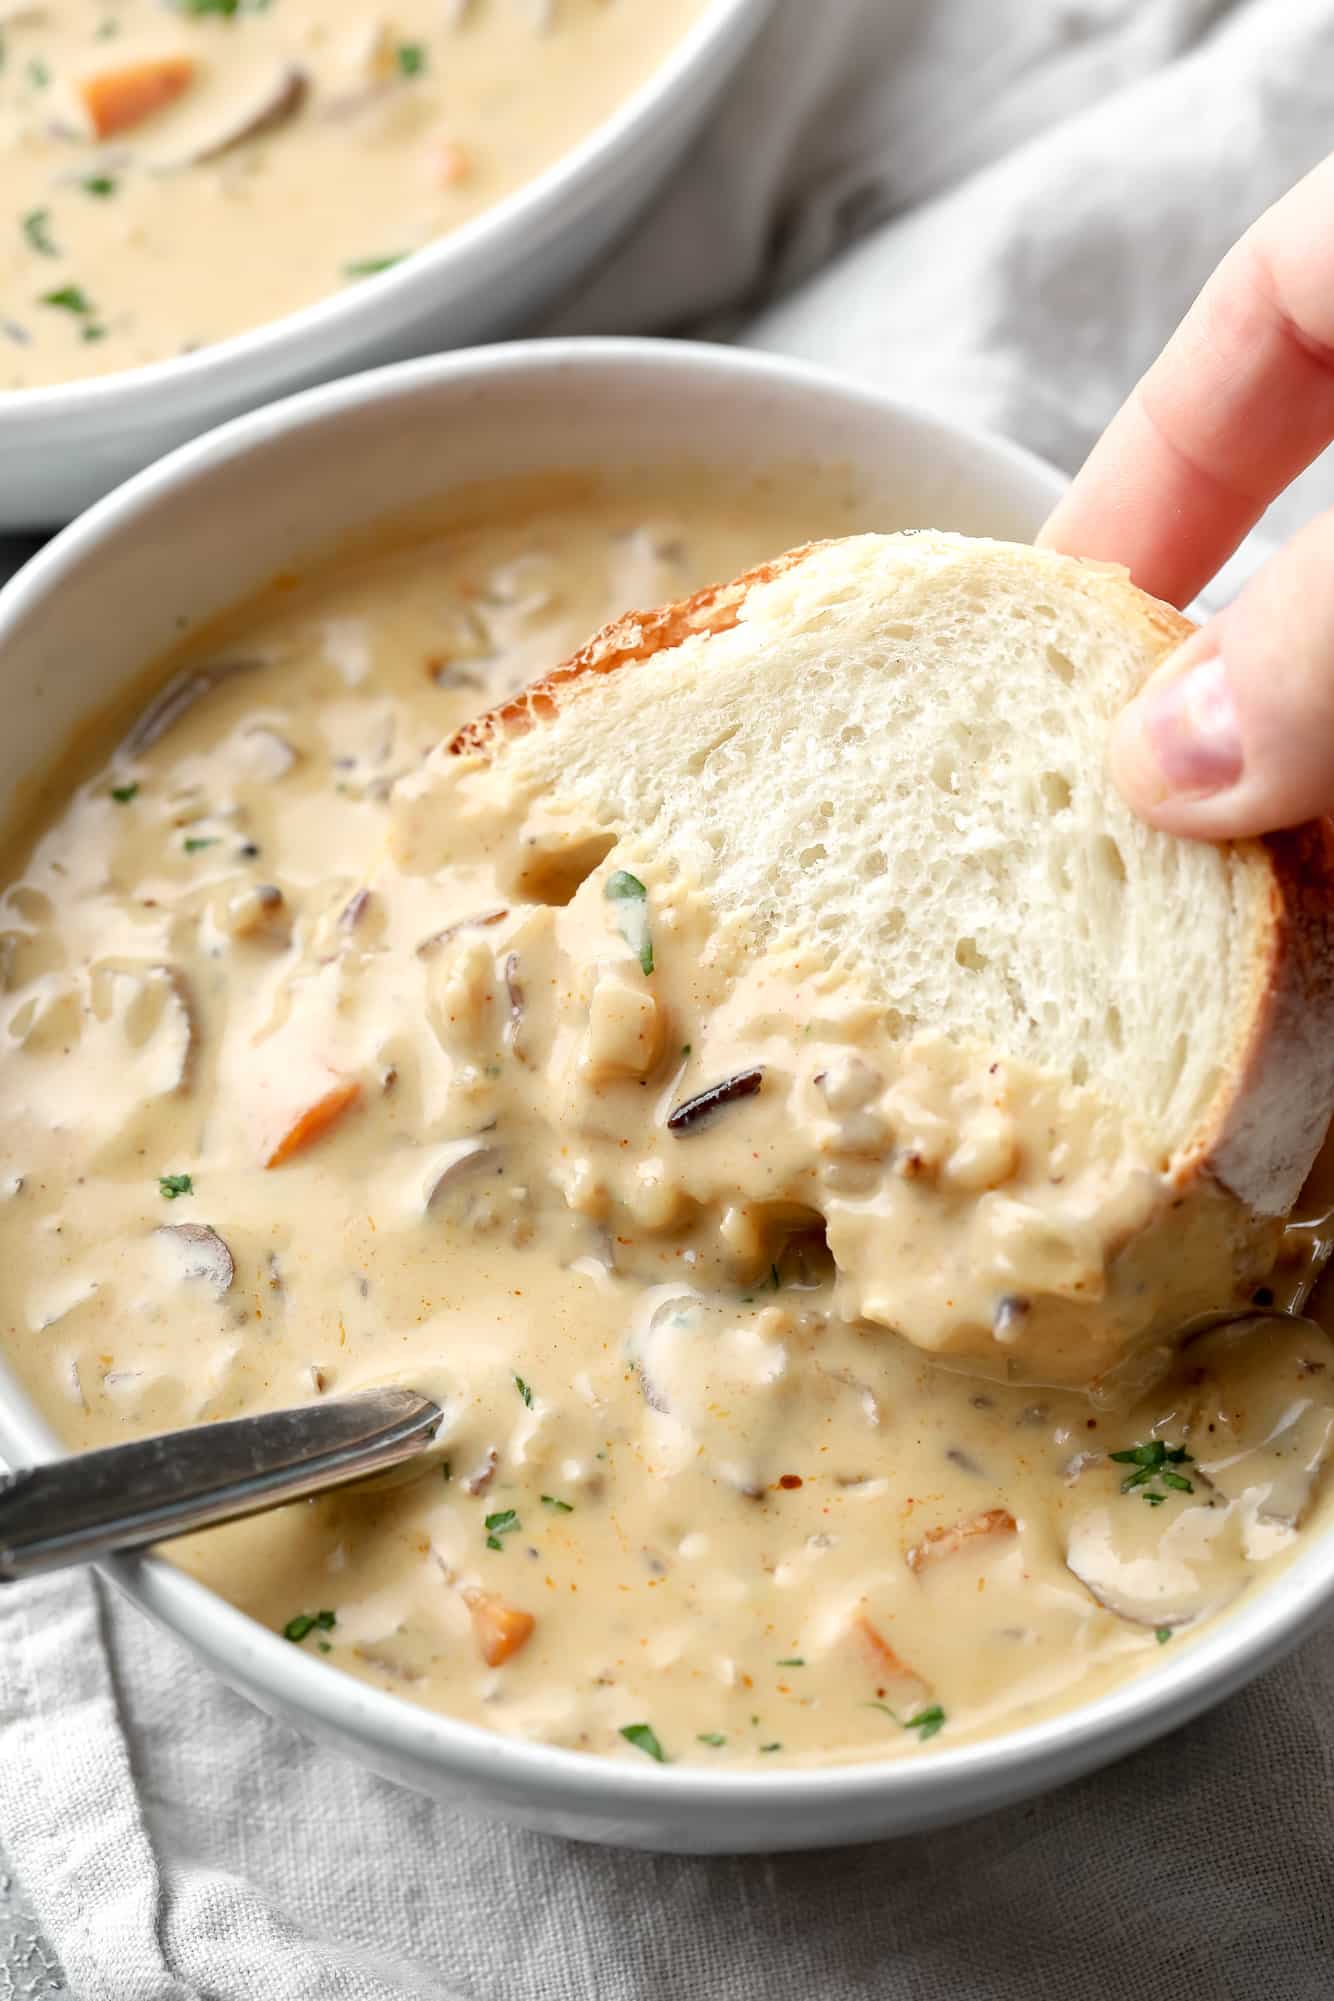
x,y
127,1496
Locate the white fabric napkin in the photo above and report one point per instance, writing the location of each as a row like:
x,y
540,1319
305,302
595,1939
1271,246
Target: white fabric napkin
x,y
1000,209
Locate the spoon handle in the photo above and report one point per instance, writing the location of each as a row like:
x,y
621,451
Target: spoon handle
x,y
126,1496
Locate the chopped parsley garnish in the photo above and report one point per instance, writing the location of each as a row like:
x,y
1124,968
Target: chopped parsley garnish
x,y
711,1737
194,842
172,1185
503,1523
644,1739
1162,1634
224,7
411,58
685,1048
308,1622
36,227
557,1507
367,267
69,299
324,1646
925,1723
793,1660
38,74
101,185
629,895
1154,1463
445,1470
774,1279
770,1747
122,794
525,1390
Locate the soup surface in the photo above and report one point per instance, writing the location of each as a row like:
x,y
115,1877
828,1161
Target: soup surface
x,y
288,1114
175,171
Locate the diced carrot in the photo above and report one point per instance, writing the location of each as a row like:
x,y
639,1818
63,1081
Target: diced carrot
x,y
315,1120
896,1682
948,1542
116,99
501,1629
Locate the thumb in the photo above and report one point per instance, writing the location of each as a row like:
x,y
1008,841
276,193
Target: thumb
x,y
1234,733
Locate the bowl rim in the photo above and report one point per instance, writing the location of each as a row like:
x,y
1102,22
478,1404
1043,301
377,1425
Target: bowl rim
x,y
1029,1758
358,310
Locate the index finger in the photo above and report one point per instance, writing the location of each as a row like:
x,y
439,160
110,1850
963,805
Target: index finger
x,y
1238,403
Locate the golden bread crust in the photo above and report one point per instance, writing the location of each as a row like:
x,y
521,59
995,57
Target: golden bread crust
x,y
1275,1091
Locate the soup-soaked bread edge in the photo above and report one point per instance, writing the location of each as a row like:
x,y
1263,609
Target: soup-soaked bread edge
x,y
1260,1132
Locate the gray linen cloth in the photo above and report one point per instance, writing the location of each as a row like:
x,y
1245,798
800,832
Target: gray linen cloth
x,y
998,207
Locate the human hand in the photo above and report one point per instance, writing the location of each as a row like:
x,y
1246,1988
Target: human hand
x,y
1234,734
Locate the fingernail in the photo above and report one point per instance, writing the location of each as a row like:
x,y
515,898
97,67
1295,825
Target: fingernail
x,y
1180,736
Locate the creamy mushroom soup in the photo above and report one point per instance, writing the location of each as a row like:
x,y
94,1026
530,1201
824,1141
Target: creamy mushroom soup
x,y
288,1114
175,171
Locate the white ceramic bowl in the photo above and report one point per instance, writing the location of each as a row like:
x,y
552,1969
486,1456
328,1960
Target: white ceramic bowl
x,y
206,526
64,446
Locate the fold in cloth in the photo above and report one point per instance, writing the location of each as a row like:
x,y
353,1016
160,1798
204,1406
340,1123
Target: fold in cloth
x,y
1000,211
1199,1867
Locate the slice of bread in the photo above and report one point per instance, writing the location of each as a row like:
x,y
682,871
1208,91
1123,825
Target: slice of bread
x,y
892,751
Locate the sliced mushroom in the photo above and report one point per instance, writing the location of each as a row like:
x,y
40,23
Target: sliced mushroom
x,y
154,1009
178,698
354,910
455,1163
263,103
198,1252
464,648
187,1017
1262,1421
1153,1572
514,994
653,1338
722,1384
652,1395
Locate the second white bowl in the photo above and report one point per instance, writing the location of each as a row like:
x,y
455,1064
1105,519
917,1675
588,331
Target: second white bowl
x,y
64,446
